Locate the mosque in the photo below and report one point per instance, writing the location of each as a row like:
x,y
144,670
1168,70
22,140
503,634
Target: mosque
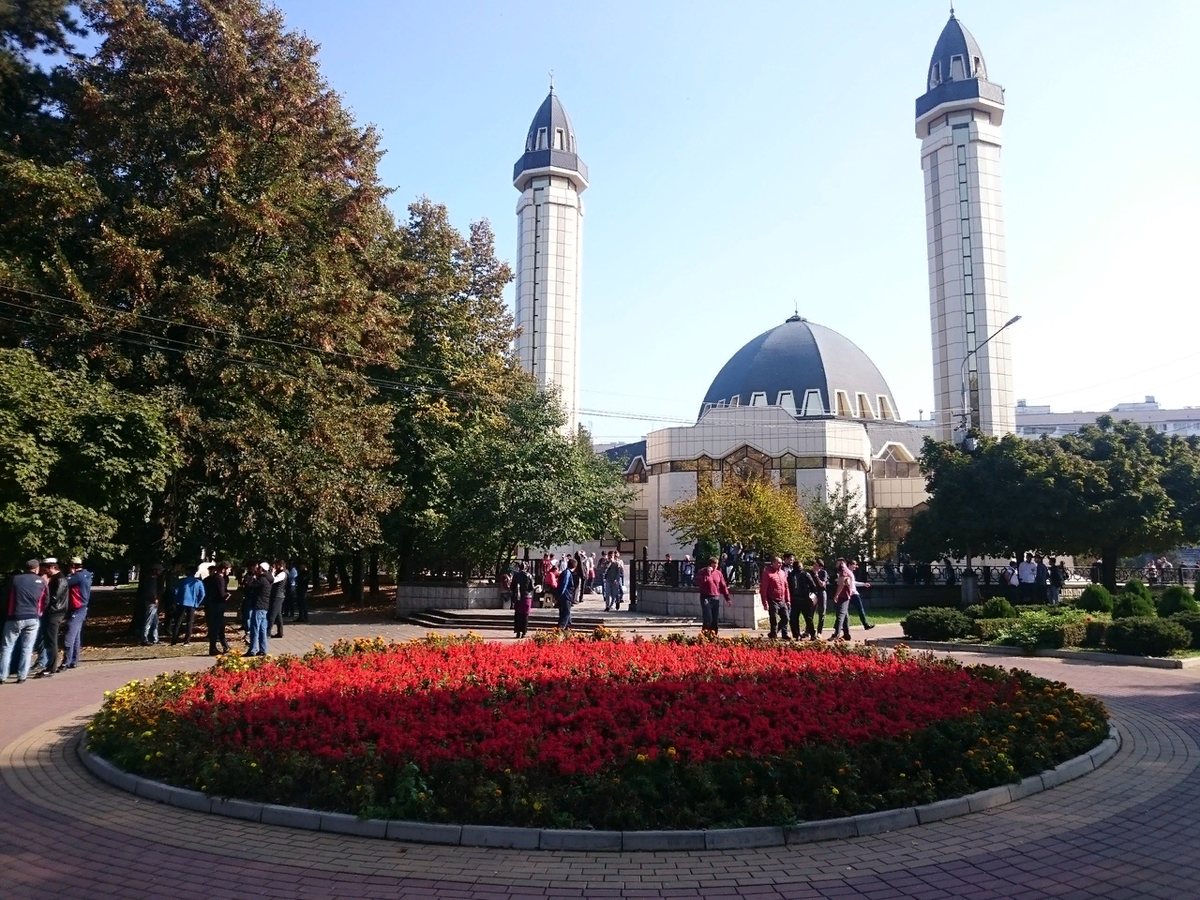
x,y
800,404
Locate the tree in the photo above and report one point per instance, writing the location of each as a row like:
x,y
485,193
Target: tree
x,y
1113,490
520,482
82,461
217,239
752,511
840,526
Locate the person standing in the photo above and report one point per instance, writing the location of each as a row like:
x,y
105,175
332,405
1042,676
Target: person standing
x,y
216,593
522,599
57,605
149,593
843,588
302,593
1027,576
260,593
773,592
821,577
1010,580
189,597
713,586
856,599
80,582
568,583
1041,581
1055,582
278,591
289,599
27,599
614,577
689,571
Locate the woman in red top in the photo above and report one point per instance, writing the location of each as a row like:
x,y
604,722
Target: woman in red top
x,y
712,586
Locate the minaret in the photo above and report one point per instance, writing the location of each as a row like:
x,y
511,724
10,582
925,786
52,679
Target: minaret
x,y
958,122
550,176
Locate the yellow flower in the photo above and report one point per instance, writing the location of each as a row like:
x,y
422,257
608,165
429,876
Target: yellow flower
x,y
671,752
537,805
641,757
834,791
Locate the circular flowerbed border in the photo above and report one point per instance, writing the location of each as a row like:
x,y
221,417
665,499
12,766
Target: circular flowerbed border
x,y
452,733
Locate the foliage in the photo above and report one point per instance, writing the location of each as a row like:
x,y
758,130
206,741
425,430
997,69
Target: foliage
x,y
752,511
997,608
1095,598
1133,602
1044,628
1137,587
645,735
1176,599
840,525
933,623
81,461
989,630
1147,636
29,29
1190,621
1113,489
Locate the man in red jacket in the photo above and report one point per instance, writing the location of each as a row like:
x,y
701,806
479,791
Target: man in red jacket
x,y
712,586
26,601
773,591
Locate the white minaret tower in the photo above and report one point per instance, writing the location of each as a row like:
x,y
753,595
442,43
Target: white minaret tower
x,y
550,176
958,122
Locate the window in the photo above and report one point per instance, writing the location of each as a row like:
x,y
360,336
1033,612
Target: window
x,y
864,407
843,405
541,139
787,401
735,400
885,408
978,70
936,77
812,404
558,139
758,398
957,72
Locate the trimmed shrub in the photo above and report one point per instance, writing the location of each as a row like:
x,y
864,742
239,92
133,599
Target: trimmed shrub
x,y
1147,636
1176,599
1095,598
1137,586
1132,605
990,629
933,623
1190,621
997,608
1096,630
1045,629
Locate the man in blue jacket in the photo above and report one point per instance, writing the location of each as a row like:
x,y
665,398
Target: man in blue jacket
x,y
189,594
27,598
80,581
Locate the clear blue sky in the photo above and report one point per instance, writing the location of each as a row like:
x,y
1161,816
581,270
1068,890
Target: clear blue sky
x,y
746,158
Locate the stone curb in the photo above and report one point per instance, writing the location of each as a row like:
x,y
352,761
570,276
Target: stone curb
x,y
602,841
1112,659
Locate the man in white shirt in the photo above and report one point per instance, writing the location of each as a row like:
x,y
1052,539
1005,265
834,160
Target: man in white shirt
x,y
1027,575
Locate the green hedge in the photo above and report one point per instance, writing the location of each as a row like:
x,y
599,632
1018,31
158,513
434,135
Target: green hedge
x,y
997,608
1095,598
1190,621
933,623
1177,599
988,630
1147,636
1134,605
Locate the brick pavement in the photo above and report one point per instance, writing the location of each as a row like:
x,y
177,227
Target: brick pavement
x,y
1124,831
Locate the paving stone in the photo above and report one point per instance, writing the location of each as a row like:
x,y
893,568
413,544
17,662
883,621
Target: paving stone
x,y
343,823
291,816
1027,787
989,799
885,820
579,839
826,830
662,840
734,838
152,790
193,800
424,832
943,809
237,809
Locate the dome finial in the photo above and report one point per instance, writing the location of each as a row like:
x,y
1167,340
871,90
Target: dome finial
x,y
952,10
552,71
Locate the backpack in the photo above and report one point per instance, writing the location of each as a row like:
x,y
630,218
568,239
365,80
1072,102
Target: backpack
x,y
1006,576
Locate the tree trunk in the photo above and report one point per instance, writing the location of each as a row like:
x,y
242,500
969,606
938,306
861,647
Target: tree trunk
x,y
1108,569
314,572
343,577
373,573
356,583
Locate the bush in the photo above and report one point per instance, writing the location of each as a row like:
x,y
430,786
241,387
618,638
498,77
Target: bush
x,y
1044,629
997,608
1147,636
933,623
1177,599
989,630
1095,598
1132,605
1096,630
1190,621
1137,586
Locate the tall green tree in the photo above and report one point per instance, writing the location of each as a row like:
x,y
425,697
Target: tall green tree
x,y
840,526
81,463
219,240
751,511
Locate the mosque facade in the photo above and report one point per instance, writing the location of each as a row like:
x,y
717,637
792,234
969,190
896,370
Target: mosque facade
x,y
801,404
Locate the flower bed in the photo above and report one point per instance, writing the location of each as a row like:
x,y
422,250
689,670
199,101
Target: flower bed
x,y
604,733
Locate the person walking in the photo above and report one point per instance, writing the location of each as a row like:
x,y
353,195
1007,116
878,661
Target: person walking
x,y
522,599
614,577
856,602
712,586
773,592
149,593
802,589
278,592
216,594
57,605
189,597
80,583
568,583
27,599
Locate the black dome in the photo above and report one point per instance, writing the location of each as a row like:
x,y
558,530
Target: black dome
x,y
550,143
955,41
802,357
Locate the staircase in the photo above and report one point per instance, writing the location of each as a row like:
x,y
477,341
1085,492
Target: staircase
x,y
543,619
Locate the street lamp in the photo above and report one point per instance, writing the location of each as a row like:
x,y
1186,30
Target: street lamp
x,y
966,400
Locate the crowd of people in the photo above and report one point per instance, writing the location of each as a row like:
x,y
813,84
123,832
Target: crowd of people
x,y
44,603
790,591
563,581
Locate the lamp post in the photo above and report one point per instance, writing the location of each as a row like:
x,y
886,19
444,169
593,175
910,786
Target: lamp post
x,y
966,399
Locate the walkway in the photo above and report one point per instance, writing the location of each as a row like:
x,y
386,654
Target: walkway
x,y
1126,831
